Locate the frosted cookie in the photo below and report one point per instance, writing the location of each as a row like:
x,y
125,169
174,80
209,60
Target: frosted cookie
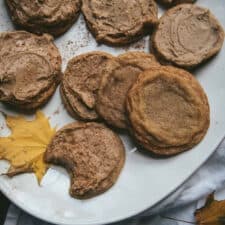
x,y
51,16
30,69
119,22
187,35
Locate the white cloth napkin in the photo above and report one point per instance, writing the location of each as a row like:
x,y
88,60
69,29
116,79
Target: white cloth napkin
x,y
181,205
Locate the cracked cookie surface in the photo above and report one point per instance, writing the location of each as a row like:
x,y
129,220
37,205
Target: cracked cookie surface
x,y
168,110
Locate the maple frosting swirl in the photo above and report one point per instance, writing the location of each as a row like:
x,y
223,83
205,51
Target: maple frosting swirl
x,y
119,22
30,68
20,74
188,35
50,16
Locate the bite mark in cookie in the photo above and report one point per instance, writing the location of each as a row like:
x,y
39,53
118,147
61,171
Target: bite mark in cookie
x,y
93,154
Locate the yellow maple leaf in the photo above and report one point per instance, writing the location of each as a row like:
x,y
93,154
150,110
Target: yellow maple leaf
x,y
213,213
26,145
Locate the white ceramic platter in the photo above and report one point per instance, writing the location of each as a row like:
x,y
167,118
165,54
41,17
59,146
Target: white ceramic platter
x,y
144,181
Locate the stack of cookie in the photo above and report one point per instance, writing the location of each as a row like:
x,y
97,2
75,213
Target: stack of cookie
x,y
151,96
95,84
164,107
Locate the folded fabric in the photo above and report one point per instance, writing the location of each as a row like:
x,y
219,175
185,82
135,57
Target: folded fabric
x,y
181,204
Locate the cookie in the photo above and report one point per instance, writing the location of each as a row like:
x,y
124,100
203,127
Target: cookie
x,y
30,69
187,35
168,110
116,83
52,16
119,22
93,155
169,3
81,82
